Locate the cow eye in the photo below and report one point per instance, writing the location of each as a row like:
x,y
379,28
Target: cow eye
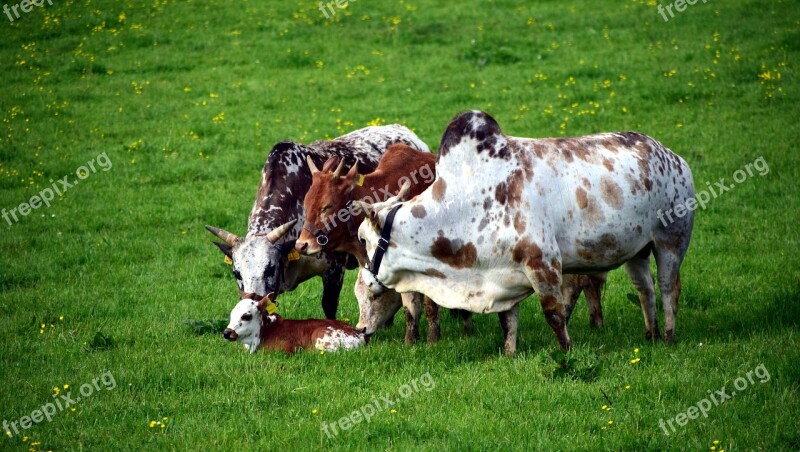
x,y
247,317
325,207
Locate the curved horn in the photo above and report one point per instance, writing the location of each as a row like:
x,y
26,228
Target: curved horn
x,y
404,190
278,232
338,170
311,165
223,235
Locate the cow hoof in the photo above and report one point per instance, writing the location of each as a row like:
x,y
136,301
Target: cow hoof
x,y
596,324
433,336
669,337
411,339
652,336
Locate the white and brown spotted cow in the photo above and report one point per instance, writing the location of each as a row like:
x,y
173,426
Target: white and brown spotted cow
x,y
508,215
263,260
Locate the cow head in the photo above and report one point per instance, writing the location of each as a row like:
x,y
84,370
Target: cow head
x,y
258,259
326,207
369,234
247,318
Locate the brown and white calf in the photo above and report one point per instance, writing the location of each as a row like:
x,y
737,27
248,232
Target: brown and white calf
x,y
253,326
507,216
331,223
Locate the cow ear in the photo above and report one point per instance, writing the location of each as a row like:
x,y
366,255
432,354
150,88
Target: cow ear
x,y
225,248
264,301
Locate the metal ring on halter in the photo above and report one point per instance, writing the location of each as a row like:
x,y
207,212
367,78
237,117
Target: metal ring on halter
x,y
322,240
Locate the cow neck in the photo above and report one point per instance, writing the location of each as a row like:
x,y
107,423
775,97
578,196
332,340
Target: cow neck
x,y
266,325
383,243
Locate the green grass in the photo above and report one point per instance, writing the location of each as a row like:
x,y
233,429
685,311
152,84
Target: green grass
x,y
124,252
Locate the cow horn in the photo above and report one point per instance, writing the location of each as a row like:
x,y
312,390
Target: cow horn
x,y
223,235
311,165
278,232
401,195
338,170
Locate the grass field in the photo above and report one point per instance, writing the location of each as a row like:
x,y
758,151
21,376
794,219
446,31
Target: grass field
x,y
176,104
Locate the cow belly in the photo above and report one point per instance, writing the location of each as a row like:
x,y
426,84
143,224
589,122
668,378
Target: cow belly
x,y
477,290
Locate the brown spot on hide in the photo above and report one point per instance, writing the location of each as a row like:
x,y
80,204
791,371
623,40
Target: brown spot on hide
x,y
608,164
519,223
501,193
612,193
418,211
454,253
580,195
439,189
434,273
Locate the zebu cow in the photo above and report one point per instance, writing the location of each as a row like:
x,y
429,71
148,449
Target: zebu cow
x,y
256,327
331,224
509,215
263,260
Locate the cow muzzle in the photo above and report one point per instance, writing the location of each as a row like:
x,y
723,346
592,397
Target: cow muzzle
x,y
230,334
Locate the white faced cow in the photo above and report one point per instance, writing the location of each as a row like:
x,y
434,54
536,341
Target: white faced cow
x,y
263,260
509,215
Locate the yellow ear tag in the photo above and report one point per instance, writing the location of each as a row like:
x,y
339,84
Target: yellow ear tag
x,y
293,255
271,308
228,260
360,180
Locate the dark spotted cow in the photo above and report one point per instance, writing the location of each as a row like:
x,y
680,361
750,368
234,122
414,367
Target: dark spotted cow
x,y
509,215
264,260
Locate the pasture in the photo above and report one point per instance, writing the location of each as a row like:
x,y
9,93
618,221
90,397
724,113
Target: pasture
x,y
176,105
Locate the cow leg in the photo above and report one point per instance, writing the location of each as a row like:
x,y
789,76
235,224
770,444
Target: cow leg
x,y
593,291
508,322
432,314
570,291
638,269
669,281
331,287
413,305
466,316
556,315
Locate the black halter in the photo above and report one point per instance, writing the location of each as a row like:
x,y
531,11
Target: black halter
x,y
383,243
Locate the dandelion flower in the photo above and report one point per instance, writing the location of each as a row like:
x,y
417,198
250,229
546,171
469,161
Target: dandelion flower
x,y
152,424
716,441
627,386
635,360
610,422
66,386
635,350
393,411
314,411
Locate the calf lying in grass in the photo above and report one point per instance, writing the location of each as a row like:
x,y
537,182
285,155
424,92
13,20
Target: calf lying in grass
x,y
253,324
